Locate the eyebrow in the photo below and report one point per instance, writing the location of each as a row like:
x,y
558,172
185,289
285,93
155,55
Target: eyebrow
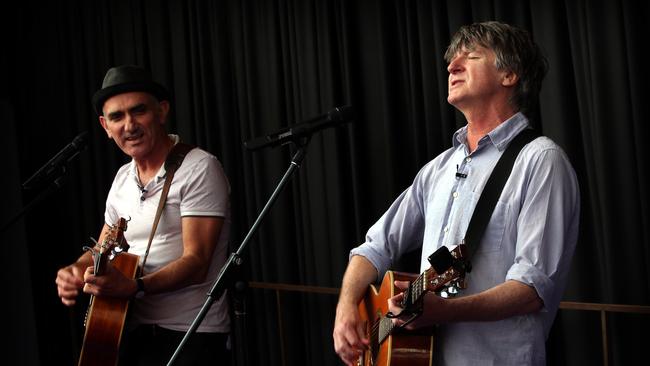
x,y
136,108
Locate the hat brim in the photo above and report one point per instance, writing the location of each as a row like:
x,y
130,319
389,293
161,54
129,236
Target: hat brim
x,y
153,88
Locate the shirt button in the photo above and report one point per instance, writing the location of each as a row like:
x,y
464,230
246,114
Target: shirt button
x,y
468,159
455,194
446,229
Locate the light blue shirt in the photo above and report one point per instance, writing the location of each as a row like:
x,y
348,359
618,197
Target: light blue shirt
x,y
530,238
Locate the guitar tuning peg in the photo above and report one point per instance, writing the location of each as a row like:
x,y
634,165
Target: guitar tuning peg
x,y
452,290
449,291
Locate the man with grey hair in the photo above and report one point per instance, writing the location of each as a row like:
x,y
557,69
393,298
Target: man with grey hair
x,y
521,263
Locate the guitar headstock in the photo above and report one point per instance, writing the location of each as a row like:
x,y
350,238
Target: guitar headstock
x,y
447,273
112,244
448,270
118,243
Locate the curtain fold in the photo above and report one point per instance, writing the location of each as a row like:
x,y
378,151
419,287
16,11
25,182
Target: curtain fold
x,y
240,69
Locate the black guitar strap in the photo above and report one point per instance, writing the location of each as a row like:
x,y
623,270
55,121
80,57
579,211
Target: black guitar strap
x,y
493,189
172,162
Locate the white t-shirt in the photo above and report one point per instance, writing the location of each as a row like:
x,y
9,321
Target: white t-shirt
x,y
199,188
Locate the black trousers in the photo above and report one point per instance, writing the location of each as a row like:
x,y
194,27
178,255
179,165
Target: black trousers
x,y
151,345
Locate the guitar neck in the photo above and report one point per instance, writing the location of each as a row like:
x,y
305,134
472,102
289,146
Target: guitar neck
x,y
445,267
413,294
447,272
100,263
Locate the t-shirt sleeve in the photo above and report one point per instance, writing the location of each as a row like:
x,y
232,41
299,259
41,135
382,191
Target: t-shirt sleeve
x,y
207,190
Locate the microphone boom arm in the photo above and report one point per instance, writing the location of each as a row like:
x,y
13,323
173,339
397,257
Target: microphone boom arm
x,y
333,118
58,162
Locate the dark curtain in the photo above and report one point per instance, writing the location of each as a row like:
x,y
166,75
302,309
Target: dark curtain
x,y
240,69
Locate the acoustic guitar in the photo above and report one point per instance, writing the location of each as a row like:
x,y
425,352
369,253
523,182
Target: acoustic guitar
x,y
394,346
106,316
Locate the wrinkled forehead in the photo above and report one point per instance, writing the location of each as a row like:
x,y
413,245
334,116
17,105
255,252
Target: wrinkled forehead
x,y
464,48
125,101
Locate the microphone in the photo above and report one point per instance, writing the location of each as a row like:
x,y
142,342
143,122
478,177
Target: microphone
x,y
333,118
459,174
58,161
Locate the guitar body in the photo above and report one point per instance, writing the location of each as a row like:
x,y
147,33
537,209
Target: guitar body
x,y
401,349
105,320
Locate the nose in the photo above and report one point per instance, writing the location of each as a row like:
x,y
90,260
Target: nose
x,y
454,66
129,123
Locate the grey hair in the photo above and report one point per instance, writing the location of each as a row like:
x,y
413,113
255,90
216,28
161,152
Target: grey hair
x,y
515,51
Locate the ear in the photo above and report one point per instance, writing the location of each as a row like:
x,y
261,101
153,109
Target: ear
x,y
102,121
164,110
509,78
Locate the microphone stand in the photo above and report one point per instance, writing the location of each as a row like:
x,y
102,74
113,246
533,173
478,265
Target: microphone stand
x,y
239,311
218,286
53,171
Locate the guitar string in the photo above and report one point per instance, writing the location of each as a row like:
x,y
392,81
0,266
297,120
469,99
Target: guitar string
x,y
417,289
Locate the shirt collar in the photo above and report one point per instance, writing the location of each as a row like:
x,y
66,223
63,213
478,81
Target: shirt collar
x,y
501,136
162,172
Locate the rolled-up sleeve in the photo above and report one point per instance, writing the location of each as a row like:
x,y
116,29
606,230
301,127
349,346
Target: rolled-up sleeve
x,y
547,226
398,231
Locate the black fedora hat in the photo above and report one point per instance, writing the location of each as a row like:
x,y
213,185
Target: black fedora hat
x,y
124,79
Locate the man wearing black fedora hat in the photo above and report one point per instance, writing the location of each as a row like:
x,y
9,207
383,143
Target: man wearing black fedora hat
x,y
189,246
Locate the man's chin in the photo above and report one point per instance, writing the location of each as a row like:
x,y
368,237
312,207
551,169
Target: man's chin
x,y
455,99
132,150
